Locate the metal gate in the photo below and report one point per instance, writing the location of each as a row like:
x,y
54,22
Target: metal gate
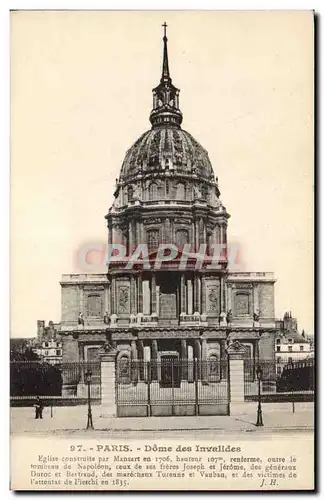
x,y
172,387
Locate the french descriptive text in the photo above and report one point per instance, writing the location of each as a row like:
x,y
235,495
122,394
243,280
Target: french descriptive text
x,y
114,466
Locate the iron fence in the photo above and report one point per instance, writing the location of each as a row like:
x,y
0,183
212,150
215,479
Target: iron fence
x,y
171,386
295,383
268,378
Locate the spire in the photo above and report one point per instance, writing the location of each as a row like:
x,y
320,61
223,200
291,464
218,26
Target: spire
x,y
165,96
165,66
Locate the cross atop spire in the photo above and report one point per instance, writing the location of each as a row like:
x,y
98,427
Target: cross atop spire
x,y
165,96
165,66
164,25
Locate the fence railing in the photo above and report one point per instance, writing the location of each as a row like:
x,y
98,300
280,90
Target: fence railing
x,y
171,381
295,383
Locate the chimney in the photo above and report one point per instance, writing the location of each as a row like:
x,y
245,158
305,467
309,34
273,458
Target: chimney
x,y
40,329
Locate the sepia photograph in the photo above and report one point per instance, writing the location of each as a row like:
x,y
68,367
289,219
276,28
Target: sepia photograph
x,y
162,250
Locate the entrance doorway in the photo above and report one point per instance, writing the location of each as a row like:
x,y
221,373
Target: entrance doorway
x,y
170,371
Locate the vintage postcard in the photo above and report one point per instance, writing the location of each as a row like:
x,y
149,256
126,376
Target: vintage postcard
x,y
162,179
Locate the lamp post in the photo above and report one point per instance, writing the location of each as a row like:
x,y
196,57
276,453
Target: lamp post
x,y
259,374
88,375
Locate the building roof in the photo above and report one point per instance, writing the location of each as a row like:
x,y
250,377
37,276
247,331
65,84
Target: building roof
x,y
296,337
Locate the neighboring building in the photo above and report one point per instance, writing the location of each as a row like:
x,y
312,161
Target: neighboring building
x,y
48,345
291,346
166,193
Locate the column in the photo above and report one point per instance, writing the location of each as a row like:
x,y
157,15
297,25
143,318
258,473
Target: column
x,y
134,362
229,297
189,301
109,298
204,360
133,307
204,231
130,237
221,234
196,294
113,295
196,235
182,294
184,360
106,299
147,360
153,294
138,233
221,291
154,353
139,294
81,358
172,235
223,359
203,294
108,384
190,363
197,353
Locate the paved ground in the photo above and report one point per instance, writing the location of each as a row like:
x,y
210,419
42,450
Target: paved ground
x,y
277,418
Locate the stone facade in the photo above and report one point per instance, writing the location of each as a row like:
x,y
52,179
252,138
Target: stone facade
x,y
167,194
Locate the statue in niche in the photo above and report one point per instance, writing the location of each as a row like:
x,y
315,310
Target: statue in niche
x,y
256,318
229,317
222,318
80,319
106,318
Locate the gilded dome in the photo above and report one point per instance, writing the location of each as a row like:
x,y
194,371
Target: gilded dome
x,y
166,148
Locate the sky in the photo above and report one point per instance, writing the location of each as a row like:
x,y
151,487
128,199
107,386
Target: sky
x,y
81,95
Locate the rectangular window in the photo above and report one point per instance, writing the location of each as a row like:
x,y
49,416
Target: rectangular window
x,y
301,347
290,348
58,352
278,348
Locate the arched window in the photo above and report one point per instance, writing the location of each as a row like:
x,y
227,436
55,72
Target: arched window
x,y
124,369
181,191
130,193
204,192
153,191
152,236
182,237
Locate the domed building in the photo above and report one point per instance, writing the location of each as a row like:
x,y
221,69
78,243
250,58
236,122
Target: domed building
x,y
169,309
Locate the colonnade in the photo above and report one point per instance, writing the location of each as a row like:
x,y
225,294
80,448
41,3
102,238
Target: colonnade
x,y
191,294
